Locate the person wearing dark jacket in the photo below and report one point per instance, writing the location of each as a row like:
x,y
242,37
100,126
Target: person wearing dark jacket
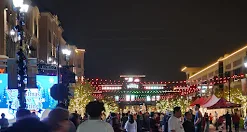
x,y
165,122
188,123
124,119
139,125
228,121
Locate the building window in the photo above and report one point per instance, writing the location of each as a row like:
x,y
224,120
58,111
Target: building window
x,y
49,36
211,74
229,66
237,62
148,98
79,63
116,98
227,74
127,97
237,71
188,76
216,72
35,29
204,77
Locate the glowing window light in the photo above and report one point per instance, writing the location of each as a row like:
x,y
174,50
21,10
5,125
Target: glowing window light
x,y
130,79
133,86
137,80
111,88
153,98
157,98
154,87
116,98
148,98
203,91
127,97
132,97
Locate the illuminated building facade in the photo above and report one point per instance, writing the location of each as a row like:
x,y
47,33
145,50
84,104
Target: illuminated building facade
x,y
43,33
230,65
132,91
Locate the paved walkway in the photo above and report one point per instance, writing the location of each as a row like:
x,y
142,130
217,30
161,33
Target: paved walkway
x,y
212,129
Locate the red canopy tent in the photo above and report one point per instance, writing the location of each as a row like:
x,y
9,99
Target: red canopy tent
x,y
200,101
223,103
211,101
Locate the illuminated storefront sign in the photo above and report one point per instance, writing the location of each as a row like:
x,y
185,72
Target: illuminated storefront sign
x,y
132,85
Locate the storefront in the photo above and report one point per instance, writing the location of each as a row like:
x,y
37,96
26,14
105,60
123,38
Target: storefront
x,y
133,94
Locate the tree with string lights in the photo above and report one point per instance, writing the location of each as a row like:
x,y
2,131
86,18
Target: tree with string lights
x,y
110,105
236,96
82,96
169,104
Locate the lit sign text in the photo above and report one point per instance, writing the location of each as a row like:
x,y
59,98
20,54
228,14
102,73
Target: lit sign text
x,y
132,85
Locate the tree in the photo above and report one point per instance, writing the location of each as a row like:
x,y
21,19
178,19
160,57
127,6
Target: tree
x,y
82,96
169,104
110,105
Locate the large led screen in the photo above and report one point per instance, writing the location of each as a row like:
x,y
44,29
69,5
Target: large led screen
x,y
36,99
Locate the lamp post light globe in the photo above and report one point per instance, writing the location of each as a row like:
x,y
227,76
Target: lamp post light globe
x,y
245,64
24,8
18,3
49,59
12,32
66,52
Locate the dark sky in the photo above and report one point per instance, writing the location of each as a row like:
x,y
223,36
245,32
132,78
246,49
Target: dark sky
x,y
151,37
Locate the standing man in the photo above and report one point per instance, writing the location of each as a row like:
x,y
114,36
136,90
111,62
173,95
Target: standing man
x,y
188,123
198,119
236,120
175,122
94,123
228,121
154,126
4,123
193,116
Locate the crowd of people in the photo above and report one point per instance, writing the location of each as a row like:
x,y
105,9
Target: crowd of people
x,y
60,120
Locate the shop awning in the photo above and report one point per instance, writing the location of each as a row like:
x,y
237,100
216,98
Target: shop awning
x,y
212,100
223,103
200,101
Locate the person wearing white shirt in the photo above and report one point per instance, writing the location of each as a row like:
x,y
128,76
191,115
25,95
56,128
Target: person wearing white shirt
x,y
245,123
174,123
94,123
131,125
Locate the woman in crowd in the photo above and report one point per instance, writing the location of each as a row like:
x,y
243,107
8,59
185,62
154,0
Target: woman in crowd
x,y
131,125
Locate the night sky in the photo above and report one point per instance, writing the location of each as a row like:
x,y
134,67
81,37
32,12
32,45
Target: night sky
x,y
151,37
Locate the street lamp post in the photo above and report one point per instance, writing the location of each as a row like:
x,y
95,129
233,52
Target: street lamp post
x,y
67,53
21,9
